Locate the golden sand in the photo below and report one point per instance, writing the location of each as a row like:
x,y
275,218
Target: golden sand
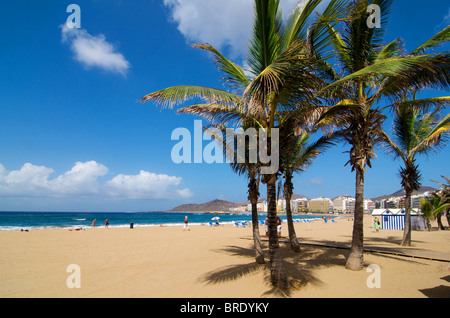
x,y
213,262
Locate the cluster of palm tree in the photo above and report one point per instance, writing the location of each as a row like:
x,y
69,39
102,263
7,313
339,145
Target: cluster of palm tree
x,y
433,208
327,75
437,205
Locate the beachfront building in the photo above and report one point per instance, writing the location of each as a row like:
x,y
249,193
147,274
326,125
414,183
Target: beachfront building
x,y
394,219
344,204
369,205
261,206
399,202
322,205
301,204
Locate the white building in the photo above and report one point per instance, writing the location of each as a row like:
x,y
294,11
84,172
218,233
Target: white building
x,y
344,204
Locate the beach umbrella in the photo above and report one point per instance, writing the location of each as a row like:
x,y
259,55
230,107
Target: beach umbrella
x,y
215,218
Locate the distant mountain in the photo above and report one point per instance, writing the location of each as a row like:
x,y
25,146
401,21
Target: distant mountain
x,y
211,206
401,193
218,205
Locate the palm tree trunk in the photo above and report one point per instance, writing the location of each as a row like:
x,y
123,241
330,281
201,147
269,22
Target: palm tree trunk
x,y
288,189
406,241
448,218
428,224
253,197
439,222
259,255
277,275
355,260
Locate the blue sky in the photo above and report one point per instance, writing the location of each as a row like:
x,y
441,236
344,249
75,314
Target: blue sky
x,y
75,138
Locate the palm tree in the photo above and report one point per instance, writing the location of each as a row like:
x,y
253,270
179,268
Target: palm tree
x,y
371,73
297,156
415,133
241,166
433,207
281,77
427,211
445,191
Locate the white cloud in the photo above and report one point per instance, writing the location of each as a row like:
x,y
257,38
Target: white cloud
x,y
94,51
317,181
445,22
82,180
220,23
146,185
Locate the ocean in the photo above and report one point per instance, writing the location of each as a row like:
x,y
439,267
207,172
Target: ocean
x,y
16,221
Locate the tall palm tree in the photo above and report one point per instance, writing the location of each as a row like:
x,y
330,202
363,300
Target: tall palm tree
x,y
297,156
371,74
415,132
240,163
281,77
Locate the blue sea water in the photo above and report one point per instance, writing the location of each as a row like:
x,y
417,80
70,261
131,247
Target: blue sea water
x,y
15,221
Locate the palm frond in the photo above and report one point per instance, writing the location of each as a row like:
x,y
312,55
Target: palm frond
x,y
362,41
169,97
390,50
423,104
318,35
217,114
265,45
435,137
233,73
437,40
405,73
296,26
415,73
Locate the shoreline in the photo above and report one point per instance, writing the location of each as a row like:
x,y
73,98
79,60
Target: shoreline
x,y
195,219
217,262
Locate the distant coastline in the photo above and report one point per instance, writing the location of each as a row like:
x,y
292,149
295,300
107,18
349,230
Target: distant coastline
x,y
218,206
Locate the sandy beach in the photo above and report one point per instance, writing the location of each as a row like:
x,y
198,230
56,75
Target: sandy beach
x,y
213,262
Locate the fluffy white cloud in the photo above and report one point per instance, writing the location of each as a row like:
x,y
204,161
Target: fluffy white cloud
x,y
146,185
82,180
94,51
220,23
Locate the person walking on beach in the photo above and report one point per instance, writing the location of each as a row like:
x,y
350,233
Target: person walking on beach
x,y
376,225
106,223
186,226
93,223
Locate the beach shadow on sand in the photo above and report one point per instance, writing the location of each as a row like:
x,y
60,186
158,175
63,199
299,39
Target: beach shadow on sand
x,y
298,267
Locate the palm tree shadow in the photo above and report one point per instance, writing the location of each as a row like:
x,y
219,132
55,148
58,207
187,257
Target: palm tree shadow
x,y
299,267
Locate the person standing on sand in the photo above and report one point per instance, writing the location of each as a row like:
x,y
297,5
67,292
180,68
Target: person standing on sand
x,y
106,223
93,223
186,226
279,226
376,225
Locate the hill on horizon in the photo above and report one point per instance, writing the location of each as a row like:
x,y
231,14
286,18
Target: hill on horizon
x,y
218,205
402,192
211,206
